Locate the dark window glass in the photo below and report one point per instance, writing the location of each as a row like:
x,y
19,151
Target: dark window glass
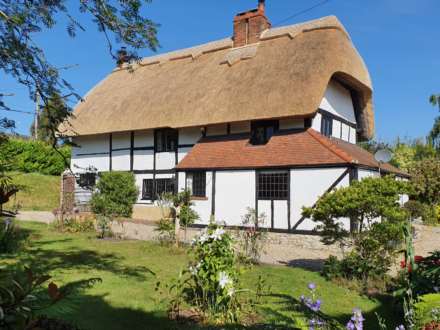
x,y
166,140
151,191
164,186
326,125
147,189
273,185
198,188
262,131
87,180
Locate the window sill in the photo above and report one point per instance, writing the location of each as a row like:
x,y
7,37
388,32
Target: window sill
x,y
199,198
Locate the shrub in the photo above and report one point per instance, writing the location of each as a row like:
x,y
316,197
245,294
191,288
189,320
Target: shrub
x,y
72,225
34,156
426,275
426,212
166,230
373,244
427,311
425,178
11,237
252,238
115,194
21,297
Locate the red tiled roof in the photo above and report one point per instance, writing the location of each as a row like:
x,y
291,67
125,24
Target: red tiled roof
x,y
289,149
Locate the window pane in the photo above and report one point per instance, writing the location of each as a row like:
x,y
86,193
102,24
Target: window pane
x,y
198,184
147,189
273,186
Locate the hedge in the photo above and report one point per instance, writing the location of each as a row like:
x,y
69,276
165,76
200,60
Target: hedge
x,y
34,156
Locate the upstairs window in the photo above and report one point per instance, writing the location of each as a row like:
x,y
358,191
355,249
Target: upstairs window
x,y
197,183
326,125
273,185
87,180
166,140
152,190
262,131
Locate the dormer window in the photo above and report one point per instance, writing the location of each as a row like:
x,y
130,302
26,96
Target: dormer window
x,y
262,131
166,140
326,125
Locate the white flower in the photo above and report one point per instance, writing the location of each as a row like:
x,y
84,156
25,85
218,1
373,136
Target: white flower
x,y
217,234
194,241
203,238
199,265
193,270
224,280
231,291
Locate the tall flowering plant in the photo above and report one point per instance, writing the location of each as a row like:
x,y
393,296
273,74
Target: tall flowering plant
x,y
213,275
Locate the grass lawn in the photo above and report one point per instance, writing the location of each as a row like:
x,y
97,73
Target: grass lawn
x,y
126,298
41,192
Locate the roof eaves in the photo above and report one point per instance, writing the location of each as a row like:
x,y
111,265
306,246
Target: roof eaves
x,y
330,146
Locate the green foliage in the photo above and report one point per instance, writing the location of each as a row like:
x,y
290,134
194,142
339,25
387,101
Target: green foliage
x,y
373,244
52,113
7,186
210,283
115,194
362,202
24,60
181,207
407,154
425,274
166,230
72,225
11,236
425,178
34,156
427,309
21,296
434,134
253,237
426,212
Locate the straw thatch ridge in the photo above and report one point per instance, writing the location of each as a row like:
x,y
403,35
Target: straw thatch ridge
x,y
284,75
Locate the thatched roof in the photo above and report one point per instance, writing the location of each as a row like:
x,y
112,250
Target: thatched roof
x,y
285,74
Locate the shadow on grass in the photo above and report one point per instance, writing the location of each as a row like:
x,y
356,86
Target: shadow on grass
x,y
315,265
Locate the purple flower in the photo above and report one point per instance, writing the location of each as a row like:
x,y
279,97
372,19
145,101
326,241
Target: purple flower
x,y
350,326
311,286
400,327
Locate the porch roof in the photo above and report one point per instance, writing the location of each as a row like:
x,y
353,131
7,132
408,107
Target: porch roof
x,y
300,148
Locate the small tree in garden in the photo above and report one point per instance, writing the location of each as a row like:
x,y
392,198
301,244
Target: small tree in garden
x,y
252,238
7,187
372,242
181,212
115,194
425,178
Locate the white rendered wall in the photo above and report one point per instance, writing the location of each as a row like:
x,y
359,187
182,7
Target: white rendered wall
x,y
187,137
121,160
280,214
234,193
165,160
337,100
362,173
143,160
306,186
121,140
264,209
91,151
144,139
316,122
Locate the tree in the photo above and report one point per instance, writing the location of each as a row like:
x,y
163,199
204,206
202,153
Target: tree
x,y
372,243
51,113
7,186
434,135
23,59
425,178
406,154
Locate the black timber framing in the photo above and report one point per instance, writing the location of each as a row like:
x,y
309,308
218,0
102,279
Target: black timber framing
x,y
110,151
131,150
354,176
289,199
333,116
333,185
213,193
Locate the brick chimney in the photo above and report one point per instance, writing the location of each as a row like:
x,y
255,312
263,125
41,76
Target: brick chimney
x,y
249,25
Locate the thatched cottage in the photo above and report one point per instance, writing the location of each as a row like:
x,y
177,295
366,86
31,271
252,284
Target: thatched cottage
x,y
267,119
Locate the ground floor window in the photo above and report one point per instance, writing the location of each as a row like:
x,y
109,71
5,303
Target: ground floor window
x,y
153,189
87,180
196,182
273,185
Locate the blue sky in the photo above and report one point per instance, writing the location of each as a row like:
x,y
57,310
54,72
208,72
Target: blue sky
x,y
398,39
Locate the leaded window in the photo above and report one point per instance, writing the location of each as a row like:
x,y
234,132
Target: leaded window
x,y
153,189
197,182
273,185
166,140
262,131
326,125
